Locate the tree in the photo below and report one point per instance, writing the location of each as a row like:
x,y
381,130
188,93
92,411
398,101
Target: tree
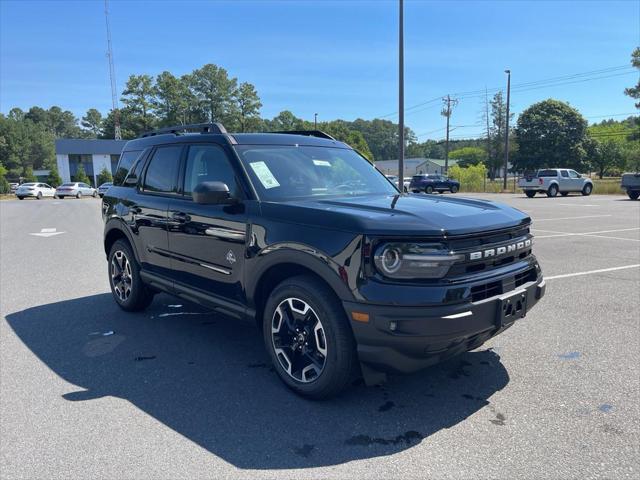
x,y
138,97
92,121
28,175
104,176
497,133
173,100
634,92
53,178
215,93
469,156
285,121
551,133
4,184
81,175
248,107
24,143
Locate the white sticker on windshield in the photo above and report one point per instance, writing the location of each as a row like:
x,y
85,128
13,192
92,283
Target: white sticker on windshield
x,y
264,175
321,163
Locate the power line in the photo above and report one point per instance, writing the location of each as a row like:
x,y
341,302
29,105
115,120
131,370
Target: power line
x,y
532,85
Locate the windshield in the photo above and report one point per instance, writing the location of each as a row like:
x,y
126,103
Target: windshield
x,y
288,172
27,185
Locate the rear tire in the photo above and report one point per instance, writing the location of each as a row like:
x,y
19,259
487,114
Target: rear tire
x,y
128,289
454,189
20,198
39,196
530,193
633,195
587,189
95,194
79,195
308,338
429,189
553,191
60,197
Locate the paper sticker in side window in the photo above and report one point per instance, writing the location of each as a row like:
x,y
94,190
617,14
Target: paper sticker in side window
x,y
264,175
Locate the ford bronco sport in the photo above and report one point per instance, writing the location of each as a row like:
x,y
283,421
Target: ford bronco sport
x,y
344,275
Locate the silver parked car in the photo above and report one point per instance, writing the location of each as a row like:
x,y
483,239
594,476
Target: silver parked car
x,y
102,189
555,180
75,189
34,189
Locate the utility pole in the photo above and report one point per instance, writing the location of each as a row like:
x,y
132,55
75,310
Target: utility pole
x,y
446,112
315,121
401,97
486,114
112,77
506,130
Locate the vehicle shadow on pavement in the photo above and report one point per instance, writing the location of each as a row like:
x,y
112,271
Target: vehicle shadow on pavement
x,y
208,378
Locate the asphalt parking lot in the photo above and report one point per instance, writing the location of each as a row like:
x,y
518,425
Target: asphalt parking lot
x,y
175,392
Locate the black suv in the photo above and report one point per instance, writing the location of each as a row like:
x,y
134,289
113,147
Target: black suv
x,y
429,183
344,275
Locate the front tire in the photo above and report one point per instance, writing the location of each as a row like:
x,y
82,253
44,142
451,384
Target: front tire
x,y
454,189
633,195
39,196
553,191
20,198
308,338
128,289
60,197
530,193
95,194
587,189
429,189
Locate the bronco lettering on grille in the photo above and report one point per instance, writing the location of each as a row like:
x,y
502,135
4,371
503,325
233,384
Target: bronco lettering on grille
x,y
502,250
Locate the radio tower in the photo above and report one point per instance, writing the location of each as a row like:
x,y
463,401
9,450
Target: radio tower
x,y
112,76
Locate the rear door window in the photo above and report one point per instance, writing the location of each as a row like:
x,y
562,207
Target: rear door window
x,y
162,173
548,173
564,173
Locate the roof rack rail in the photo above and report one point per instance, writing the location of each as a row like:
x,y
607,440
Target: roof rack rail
x,y
214,127
309,133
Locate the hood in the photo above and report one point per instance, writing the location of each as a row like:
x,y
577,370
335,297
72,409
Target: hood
x,y
405,215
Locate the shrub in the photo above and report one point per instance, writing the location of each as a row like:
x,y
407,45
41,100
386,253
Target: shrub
x,y
471,178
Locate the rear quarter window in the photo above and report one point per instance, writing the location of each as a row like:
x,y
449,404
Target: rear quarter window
x,y
124,165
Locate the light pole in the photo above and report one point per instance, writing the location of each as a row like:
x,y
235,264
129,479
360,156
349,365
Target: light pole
x,y
315,121
401,97
506,130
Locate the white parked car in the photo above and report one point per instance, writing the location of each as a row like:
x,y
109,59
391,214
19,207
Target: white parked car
x,y
555,180
102,189
75,189
33,189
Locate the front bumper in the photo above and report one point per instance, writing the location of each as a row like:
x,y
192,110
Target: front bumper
x,y
405,339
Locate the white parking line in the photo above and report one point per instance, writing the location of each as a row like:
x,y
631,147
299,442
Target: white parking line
x,y
570,218
594,234
578,204
602,270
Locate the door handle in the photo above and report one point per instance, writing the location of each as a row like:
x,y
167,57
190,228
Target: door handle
x,y
180,217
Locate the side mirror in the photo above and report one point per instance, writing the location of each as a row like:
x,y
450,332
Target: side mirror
x,y
131,180
212,193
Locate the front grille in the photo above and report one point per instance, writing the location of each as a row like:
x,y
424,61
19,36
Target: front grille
x,y
486,241
487,290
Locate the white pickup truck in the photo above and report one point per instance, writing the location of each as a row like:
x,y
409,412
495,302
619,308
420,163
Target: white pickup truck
x,y
555,180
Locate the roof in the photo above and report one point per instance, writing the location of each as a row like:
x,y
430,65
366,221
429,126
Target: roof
x,y
439,161
235,139
65,146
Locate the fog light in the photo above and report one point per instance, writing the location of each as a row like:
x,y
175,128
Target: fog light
x,y
393,326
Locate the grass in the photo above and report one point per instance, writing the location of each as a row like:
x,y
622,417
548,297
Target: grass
x,y
605,186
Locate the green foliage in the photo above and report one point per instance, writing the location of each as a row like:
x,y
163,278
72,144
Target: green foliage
x,y
4,184
634,92
81,175
104,176
28,176
612,147
138,99
469,156
92,121
215,93
471,178
53,178
24,143
549,134
248,108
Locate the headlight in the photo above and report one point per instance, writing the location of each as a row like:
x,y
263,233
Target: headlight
x,y
414,260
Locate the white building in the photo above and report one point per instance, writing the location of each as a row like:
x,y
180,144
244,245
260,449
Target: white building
x,y
94,155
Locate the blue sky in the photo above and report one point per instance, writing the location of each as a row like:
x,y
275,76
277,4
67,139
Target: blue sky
x,y
336,58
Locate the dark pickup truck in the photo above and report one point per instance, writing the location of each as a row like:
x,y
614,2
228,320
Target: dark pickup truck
x,y
344,275
631,183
